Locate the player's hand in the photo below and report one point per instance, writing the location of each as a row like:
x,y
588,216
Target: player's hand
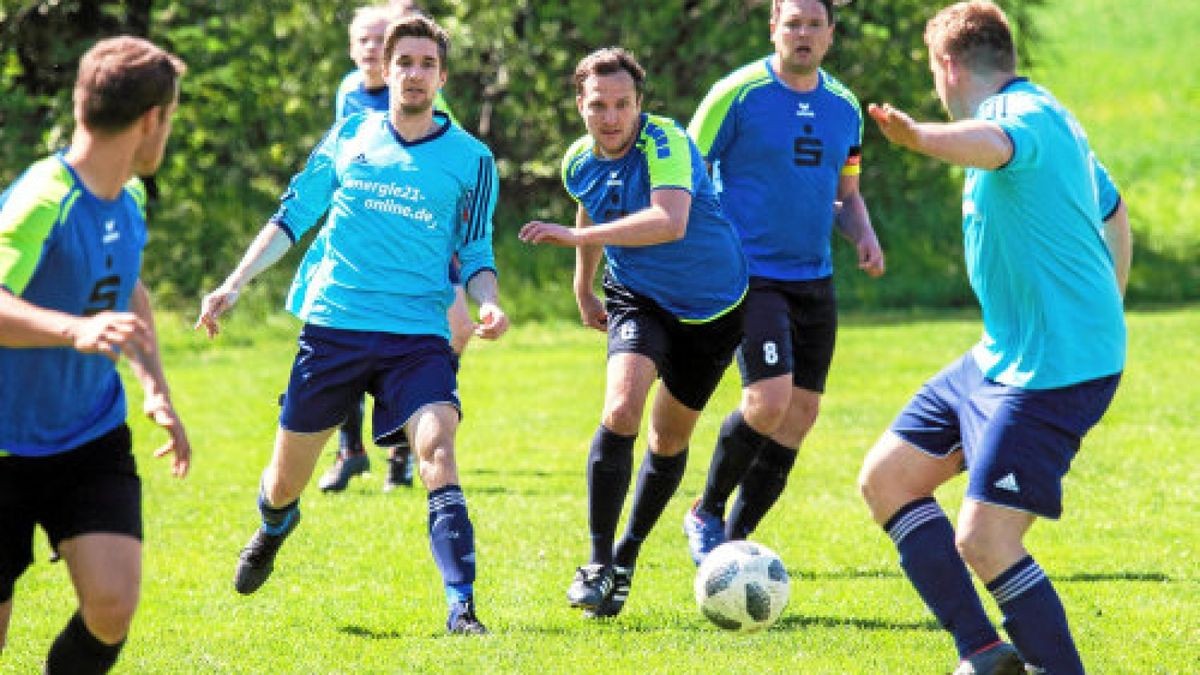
x,y
870,257
161,412
493,322
591,311
537,232
108,332
213,306
895,125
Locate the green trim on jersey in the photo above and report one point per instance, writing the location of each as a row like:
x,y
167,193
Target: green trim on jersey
x,y
840,90
729,90
574,156
674,168
719,314
27,218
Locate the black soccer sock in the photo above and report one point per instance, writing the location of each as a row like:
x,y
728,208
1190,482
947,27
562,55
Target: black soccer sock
x,y
761,487
737,446
350,433
610,463
657,481
77,652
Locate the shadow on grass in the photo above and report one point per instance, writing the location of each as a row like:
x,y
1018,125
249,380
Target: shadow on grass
x,y
1114,576
793,622
371,634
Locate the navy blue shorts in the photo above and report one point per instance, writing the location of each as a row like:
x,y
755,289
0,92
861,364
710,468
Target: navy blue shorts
x,y
333,368
93,488
791,327
1017,443
690,358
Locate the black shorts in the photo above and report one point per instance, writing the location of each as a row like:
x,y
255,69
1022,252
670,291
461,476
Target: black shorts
x,y
791,327
93,488
690,357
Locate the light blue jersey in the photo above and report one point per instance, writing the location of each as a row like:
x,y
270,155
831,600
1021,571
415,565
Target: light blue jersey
x,y
64,248
697,278
1035,252
398,211
777,158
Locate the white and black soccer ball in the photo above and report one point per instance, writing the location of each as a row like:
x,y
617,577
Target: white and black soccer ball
x,y
742,586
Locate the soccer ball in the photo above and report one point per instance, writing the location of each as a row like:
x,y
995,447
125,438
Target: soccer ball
x,y
742,586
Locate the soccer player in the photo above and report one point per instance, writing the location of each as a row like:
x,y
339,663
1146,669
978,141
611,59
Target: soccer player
x,y
72,229
674,286
405,191
1013,409
784,139
362,90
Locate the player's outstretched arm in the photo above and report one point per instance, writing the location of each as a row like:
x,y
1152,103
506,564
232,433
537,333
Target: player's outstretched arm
x,y
975,143
23,324
484,289
147,368
266,249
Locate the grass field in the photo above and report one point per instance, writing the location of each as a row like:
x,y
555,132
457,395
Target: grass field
x,y
355,589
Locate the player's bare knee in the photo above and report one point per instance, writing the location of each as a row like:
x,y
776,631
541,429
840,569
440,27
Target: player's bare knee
x,y
108,615
622,418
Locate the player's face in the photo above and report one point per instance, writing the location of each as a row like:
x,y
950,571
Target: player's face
x,y
149,154
366,47
610,106
414,75
802,35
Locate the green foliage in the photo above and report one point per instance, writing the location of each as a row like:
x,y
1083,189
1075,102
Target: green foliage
x,y
258,96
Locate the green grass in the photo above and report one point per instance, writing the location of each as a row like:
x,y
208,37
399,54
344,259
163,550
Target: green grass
x,y
355,589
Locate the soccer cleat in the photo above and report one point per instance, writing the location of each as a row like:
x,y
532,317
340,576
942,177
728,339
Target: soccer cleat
x,y
999,658
704,532
345,467
256,561
462,620
612,603
591,585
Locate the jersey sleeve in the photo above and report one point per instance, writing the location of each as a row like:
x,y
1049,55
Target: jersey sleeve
x,y
475,248
308,194
348,83
575,155
27,218
713,124
668,153
1018,119
1108,198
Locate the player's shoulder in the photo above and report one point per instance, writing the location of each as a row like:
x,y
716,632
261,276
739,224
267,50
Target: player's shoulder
x,y
1019,98
467,142
575,156
661,127
351,81
838,89
45,185
742,81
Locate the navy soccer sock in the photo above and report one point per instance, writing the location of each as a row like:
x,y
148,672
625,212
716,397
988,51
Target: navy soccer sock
x,y
452,539
737,446
657,481
610,464
761,487
925,539
1035,619
276,519
77,651
350,433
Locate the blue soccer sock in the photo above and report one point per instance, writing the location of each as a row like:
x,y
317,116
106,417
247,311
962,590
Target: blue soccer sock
x,y
737,446
610,465
657,481
452,539
925,539
1035,619
276,519
761,487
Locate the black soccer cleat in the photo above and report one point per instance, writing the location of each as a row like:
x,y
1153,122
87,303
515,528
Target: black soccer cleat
x,y
345,467
592,583
257,559
462,620
614,602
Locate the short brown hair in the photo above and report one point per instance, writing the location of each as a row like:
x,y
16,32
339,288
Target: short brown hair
x,y
777,6
976,33
419,26
121,78
609,61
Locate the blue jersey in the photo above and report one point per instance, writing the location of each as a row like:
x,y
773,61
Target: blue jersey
x,y
697,278
1035,252
354,97
777,156
398,211
64,248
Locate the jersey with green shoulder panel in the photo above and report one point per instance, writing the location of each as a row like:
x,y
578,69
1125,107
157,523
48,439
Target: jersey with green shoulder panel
x,y
64,248
777,156
697,278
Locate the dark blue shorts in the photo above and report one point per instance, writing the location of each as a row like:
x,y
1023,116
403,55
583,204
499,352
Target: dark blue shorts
x,y
1017,443
791,327
333,368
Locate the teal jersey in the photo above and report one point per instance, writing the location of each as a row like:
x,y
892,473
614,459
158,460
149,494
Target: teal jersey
x,y
397,211
777,157
1035,253
64,248
697,278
